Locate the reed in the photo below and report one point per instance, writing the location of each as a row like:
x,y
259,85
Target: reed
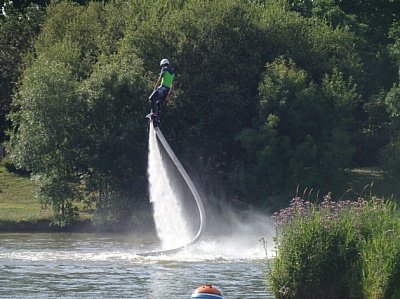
x,y
343,249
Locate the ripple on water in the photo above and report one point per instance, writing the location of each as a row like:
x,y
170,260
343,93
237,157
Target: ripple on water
x,y
87,266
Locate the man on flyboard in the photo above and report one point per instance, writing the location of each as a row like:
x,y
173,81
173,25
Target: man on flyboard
x,y
162,90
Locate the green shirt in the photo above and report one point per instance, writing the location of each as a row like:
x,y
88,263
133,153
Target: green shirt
x,y
167,76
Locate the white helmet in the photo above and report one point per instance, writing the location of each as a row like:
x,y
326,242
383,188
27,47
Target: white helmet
x,y
164,61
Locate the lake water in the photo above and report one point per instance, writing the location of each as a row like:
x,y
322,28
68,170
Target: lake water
x,y
72,265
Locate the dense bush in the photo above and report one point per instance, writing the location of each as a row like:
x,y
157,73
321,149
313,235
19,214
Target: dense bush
x,y
338,249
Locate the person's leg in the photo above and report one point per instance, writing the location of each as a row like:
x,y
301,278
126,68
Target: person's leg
x,y
163,95
154,100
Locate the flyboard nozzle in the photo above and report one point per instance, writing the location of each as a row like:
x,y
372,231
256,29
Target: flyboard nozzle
x,y
207,291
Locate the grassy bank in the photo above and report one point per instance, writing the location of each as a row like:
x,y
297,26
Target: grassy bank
x,y
20,208
343,249
17,199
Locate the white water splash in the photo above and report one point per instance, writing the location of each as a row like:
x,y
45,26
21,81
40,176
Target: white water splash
x,y
168,215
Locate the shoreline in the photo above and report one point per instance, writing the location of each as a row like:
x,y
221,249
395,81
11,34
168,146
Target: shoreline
x,y
82,226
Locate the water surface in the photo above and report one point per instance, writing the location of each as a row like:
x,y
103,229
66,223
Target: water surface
x,y
71,265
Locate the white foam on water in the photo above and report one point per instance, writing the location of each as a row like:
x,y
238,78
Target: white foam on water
x,y
223,250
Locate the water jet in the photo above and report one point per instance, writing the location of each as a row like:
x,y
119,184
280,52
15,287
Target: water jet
x,y
171,230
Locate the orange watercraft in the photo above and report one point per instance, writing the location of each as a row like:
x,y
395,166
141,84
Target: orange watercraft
x,y
207,292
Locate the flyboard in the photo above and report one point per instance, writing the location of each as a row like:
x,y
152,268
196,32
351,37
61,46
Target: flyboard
x,y
155,123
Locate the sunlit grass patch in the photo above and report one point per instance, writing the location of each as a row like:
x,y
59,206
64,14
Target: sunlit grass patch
x,y
17,198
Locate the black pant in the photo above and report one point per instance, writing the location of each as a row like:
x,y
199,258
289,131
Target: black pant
x,y
157,97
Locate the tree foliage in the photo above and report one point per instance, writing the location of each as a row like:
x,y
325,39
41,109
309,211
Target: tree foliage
x,y
80,114
300,141
270,95
18,30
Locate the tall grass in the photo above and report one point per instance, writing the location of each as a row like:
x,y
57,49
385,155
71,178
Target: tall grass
x,y
344,249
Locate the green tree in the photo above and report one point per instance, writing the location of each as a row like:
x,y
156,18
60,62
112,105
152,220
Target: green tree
x,y
217,58
79,124
116,135
371,22
389,154
305,133
370,18
47,121
239,126
18,29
